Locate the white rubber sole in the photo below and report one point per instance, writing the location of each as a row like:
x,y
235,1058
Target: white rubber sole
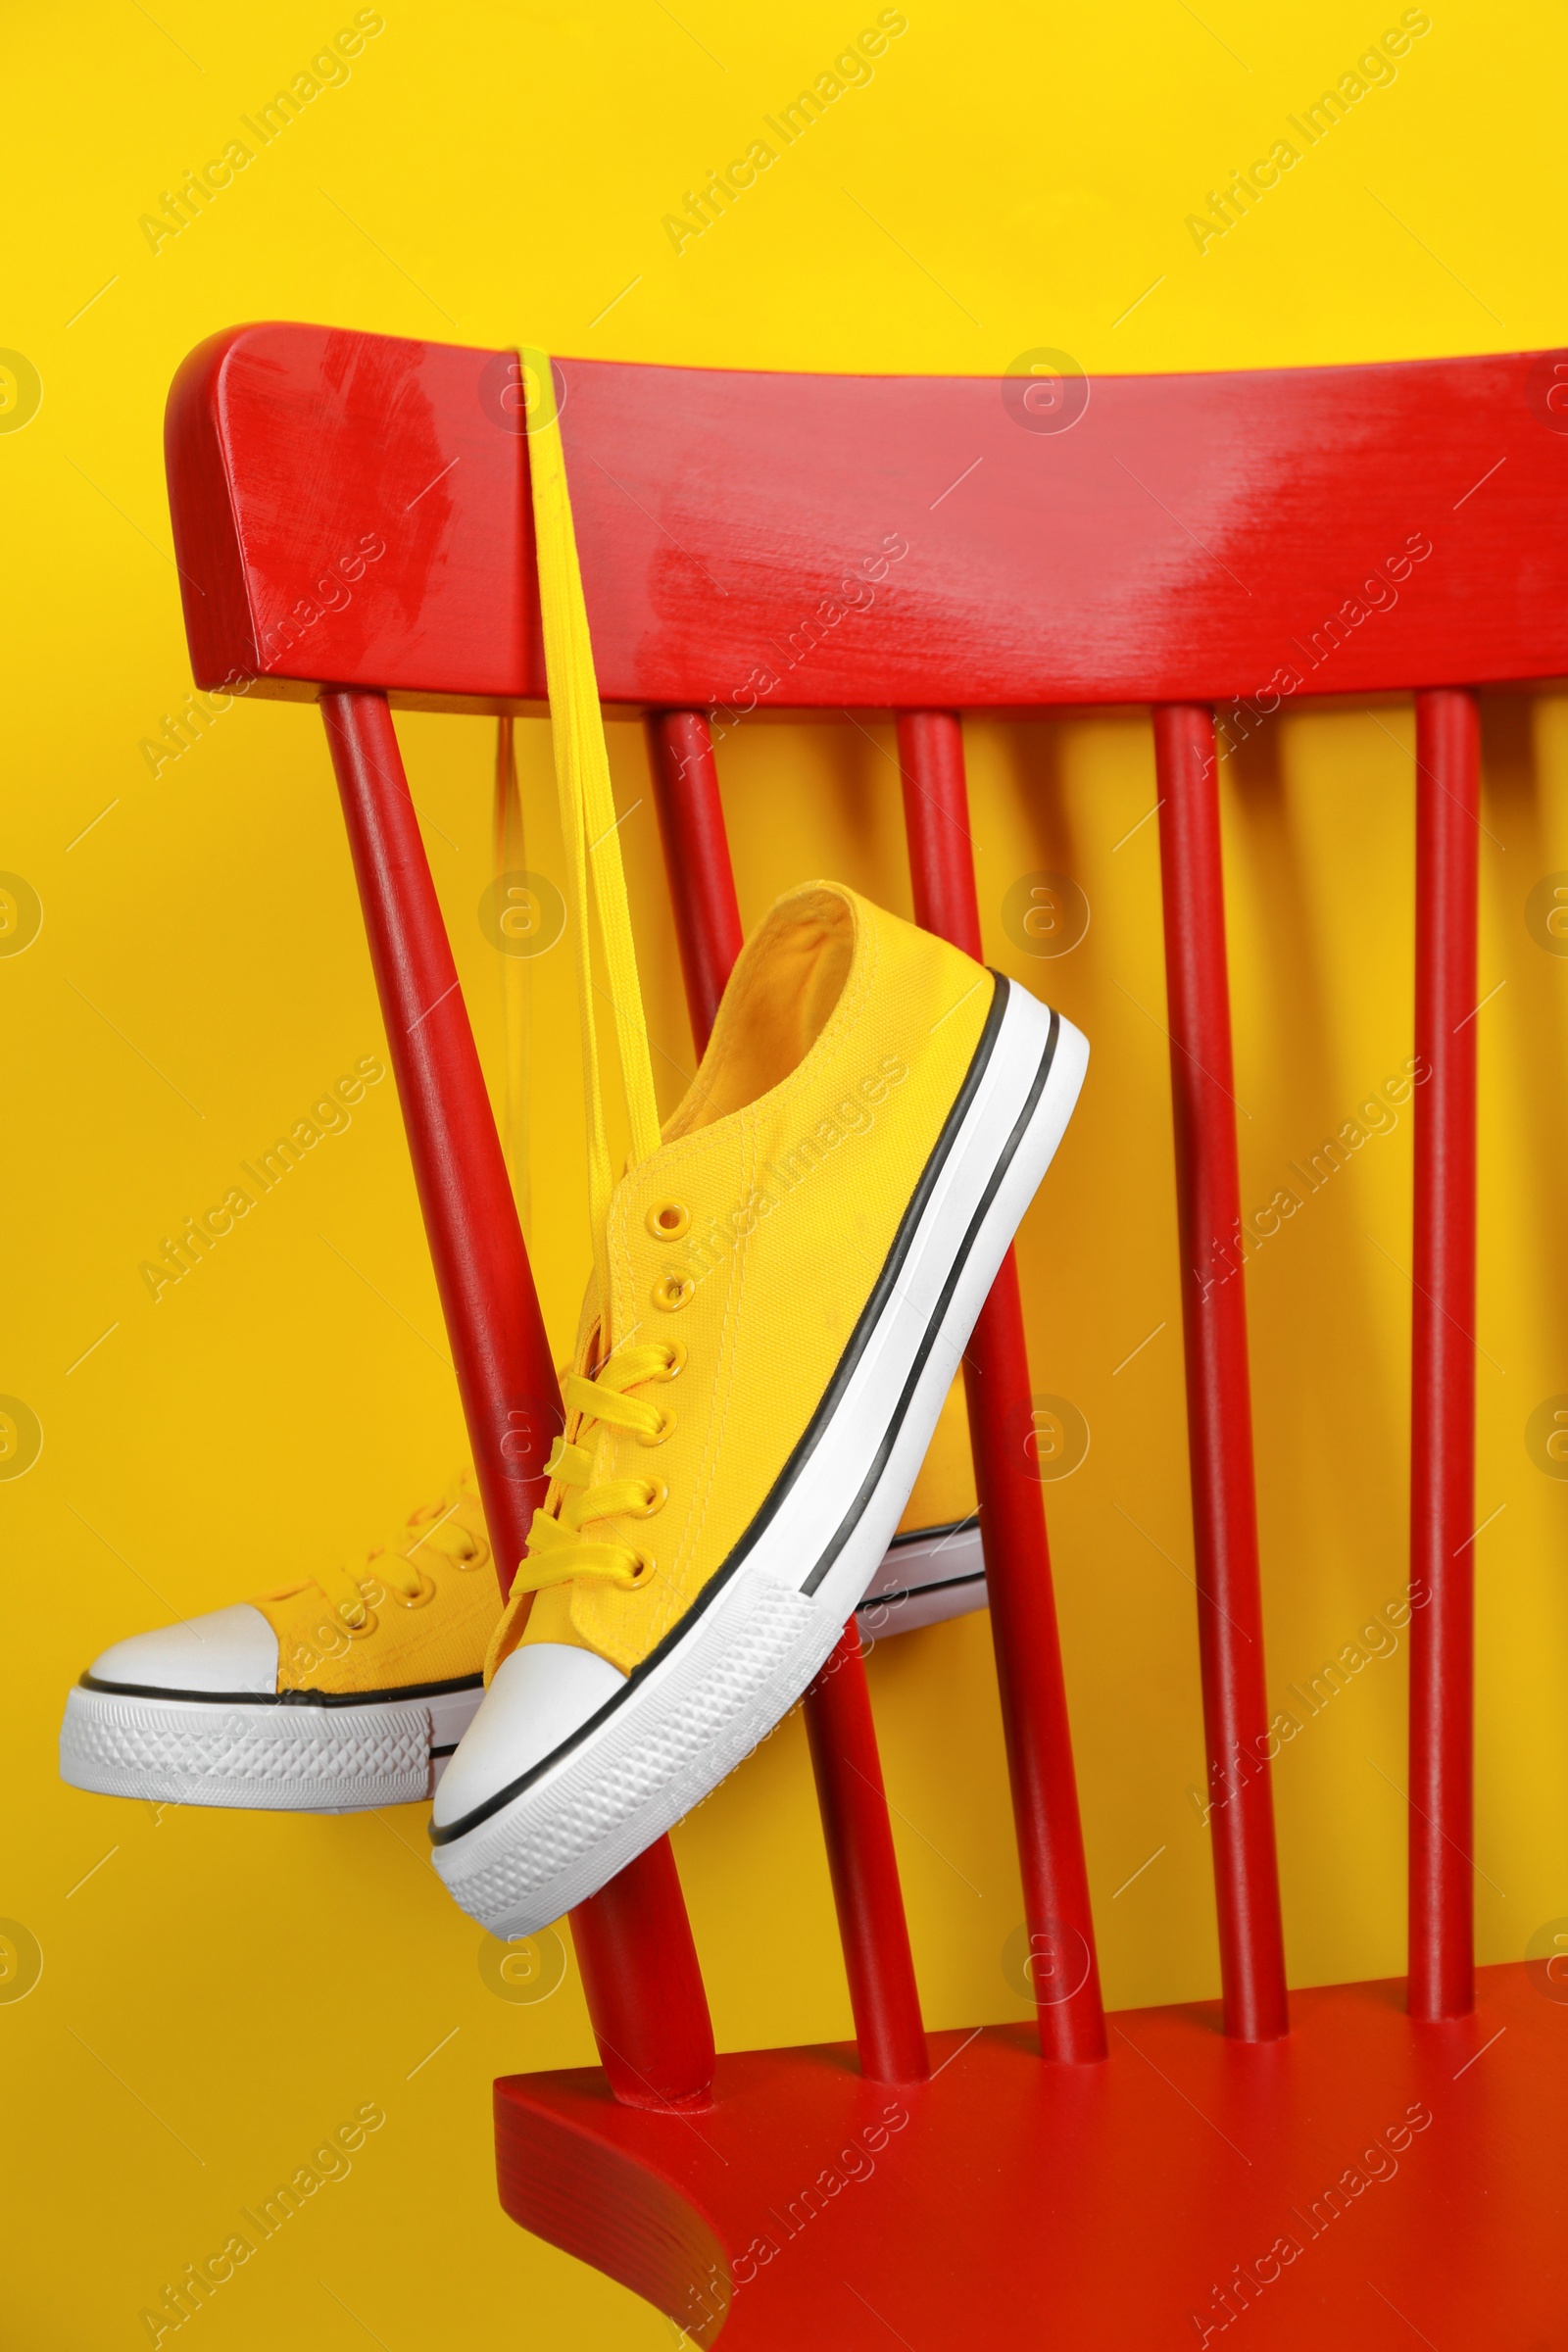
x,y
259,1757
742,1658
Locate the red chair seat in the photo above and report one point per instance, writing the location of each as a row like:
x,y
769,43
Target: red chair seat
x,y
1015,2204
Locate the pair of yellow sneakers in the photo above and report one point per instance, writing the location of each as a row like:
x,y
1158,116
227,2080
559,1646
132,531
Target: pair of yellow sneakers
x,y
348,1691
785,1280
788,1279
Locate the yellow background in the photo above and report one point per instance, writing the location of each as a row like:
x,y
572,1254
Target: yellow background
x,y
226,1990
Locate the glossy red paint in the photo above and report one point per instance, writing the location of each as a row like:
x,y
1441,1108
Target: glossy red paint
x,y
1366,2182
1219,1404
771,542
848,1770
1442,1400
1060,1930
293,453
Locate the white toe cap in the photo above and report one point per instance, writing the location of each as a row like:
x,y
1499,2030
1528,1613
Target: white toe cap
x,y
539,1696
229,1650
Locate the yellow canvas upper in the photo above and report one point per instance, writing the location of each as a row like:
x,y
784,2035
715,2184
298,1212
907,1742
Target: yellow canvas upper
x,y
840,1047
445,1636
438,1636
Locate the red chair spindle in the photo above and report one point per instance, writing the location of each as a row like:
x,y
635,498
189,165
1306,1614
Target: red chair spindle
x,y
864,1868
1013,1519
869,1901
702,880
500,1350
1220,1411
644,1991
644,1986
1443,1405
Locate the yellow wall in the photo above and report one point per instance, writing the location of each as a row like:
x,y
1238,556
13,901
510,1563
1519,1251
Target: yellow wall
x,y
224,1989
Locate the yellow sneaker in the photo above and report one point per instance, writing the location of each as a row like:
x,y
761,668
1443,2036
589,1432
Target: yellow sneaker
x,y
786,1286
341,1691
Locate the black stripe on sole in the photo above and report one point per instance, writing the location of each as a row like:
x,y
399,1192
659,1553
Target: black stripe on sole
x,y
895,1429
884,1601
285,1698
938,1533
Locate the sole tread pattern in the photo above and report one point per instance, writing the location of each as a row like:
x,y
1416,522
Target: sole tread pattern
x,y
269,1758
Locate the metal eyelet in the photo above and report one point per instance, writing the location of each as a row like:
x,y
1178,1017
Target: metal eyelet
x,y
672,1291
657,1496
416,1600
647,1570
665,1428
366,1626
677,1364
668,1220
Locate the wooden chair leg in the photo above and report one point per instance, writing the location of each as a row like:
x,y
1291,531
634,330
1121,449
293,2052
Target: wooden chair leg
x,y
645,1990
874,1931
1220,1411
1012,1520
1442,1403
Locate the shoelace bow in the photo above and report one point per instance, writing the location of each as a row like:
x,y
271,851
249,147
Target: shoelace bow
x,y
397,1564
560,1550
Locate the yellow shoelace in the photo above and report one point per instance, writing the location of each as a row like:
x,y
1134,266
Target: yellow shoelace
x,y
511,856
559,1548
396,1567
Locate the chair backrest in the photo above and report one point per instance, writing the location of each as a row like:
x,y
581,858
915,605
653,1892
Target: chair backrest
x,y
876,542
352,524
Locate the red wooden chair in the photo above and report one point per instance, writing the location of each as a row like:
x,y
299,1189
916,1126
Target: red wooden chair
x,y
352,522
